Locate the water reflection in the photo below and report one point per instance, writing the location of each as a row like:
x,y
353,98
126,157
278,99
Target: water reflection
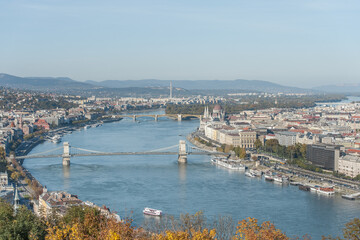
x,y
66,174
182,172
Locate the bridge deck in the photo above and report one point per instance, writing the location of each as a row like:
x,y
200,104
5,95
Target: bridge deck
x,y
119,153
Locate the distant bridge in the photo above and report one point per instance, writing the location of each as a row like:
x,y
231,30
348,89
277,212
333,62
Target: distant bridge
x,y
179,117
69,151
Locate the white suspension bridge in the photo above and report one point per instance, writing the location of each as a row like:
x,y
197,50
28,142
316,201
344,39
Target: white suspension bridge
x,y
66,152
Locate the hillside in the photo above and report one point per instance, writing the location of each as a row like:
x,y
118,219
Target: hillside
x,y
42,83
249,85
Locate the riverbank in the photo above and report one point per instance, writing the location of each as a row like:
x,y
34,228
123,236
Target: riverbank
x,y
26,146
308,178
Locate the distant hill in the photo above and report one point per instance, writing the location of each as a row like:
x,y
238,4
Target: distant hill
x,y
249,85
148,87
42,83
340,88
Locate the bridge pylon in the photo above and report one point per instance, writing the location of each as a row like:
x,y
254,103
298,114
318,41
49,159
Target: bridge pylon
x,y
182,157
66,154
179,117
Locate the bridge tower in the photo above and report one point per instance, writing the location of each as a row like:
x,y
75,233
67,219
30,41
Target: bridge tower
x,y
182,158
134,118
179,117
156,118
66,154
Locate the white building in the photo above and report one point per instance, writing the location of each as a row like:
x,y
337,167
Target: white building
x,y
349,165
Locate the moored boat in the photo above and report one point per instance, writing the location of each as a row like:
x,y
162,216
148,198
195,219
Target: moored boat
x,y
269,177
304,187
152,212
250,174
326,190
229,164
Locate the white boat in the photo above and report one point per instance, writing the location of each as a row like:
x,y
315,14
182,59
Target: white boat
x,y
269,177
229,164
326,191
55,139
250,174
87,126
281,179
255,172
152,212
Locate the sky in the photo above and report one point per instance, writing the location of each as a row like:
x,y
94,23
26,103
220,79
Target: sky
x,y
302,43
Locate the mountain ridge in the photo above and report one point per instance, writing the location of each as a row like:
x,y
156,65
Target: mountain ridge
x,y
67,84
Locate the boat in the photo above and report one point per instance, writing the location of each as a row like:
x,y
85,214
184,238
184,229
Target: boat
x,y
326,190
304,188
87,127
314,188
348,197
55,139
257,173
250,174
269,177
152,212
229,164
281,179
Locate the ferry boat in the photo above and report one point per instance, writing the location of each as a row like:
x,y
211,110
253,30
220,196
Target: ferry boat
x,y
224,162
314,188
326,190
152,212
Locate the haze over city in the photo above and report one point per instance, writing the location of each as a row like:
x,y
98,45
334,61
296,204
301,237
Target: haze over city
x,y
295,43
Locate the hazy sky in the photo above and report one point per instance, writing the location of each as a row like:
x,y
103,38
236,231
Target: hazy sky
x,y
294,42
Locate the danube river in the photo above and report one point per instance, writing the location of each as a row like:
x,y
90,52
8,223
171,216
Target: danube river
x,y
129,183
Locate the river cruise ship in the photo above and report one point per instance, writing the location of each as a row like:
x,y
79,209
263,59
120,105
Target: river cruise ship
x,y
229,164
152,212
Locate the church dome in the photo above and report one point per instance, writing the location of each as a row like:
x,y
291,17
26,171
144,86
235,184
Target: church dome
x,y
217,108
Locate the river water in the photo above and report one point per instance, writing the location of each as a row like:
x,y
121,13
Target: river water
x,y
127,184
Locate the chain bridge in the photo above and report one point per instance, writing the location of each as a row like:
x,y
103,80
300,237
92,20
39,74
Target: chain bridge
x,y
66,152
179,117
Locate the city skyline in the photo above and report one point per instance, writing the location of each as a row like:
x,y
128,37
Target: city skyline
x,y
303,44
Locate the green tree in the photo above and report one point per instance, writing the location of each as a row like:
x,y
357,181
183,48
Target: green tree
x,y
258,144
22,225
242,153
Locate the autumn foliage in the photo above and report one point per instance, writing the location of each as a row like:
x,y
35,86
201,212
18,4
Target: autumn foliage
x,y
86,223
249,229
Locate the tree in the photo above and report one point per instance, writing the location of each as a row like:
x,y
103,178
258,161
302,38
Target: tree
x,y
257,144
2,153
15,175
249,229
242,153
22,225
352,229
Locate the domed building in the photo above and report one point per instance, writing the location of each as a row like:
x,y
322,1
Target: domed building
x,y
218,113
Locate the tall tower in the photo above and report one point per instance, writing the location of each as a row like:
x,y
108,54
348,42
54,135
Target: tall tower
x,y
170,90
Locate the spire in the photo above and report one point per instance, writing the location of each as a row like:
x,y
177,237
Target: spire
x,y
16,199
170,90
